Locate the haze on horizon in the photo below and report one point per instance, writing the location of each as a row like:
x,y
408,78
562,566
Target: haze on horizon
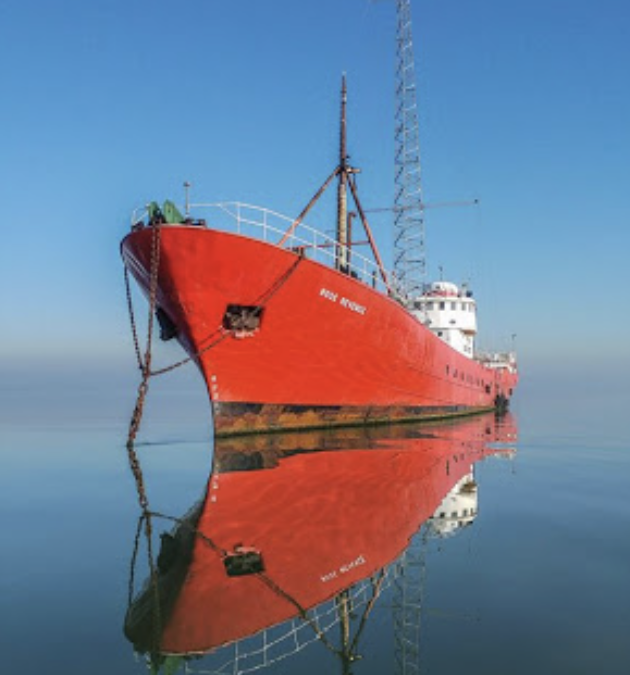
x,y
524,107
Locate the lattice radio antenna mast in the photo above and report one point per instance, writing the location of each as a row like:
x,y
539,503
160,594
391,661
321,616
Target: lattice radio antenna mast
x,y
409,253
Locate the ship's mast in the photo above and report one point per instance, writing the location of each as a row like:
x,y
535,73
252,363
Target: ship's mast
x,y
346,179
409,254
342,192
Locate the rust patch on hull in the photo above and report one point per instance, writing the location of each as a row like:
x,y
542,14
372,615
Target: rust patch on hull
x,y
235,419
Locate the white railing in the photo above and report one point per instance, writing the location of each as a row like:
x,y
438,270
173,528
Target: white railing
x,y
139,215
270,226
275,644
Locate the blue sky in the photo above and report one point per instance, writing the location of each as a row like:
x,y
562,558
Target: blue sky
x,y
107,104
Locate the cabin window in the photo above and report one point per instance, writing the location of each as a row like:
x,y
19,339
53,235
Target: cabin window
x,y
447,369
429,305
442,305
453,305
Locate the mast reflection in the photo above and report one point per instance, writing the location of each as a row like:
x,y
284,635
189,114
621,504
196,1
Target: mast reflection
x,y
296,537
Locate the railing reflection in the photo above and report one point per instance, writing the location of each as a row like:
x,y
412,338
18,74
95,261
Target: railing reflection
x,y
299,533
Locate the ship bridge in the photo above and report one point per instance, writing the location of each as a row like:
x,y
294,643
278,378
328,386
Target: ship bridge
x,y
450,313
457,510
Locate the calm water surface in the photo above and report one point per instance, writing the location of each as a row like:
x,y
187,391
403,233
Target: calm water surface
x,y
518,561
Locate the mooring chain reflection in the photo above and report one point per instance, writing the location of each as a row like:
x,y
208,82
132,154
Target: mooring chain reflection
x,y
298,533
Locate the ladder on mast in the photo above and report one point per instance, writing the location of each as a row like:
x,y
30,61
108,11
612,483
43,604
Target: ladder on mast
x,y
410,277
409,249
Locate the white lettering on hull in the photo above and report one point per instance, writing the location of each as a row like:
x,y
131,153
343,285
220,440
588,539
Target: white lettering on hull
x,y
341,301
343,569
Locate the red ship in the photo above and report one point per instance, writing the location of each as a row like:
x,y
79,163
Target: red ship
x,y
241,561
294,329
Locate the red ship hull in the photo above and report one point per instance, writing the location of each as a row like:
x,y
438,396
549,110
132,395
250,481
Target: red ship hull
x,y
329,349
356,503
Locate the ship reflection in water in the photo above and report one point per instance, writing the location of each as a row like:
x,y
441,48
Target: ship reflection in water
x,y
299,533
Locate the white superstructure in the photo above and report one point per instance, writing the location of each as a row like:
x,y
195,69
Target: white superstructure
x,y
457,510
451,313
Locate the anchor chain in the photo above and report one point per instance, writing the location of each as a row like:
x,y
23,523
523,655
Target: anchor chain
x,y
144,364
145,519
134,425
221,333
215,338
132,319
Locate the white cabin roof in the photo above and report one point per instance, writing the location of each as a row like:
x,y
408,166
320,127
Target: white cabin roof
x,y
443,288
